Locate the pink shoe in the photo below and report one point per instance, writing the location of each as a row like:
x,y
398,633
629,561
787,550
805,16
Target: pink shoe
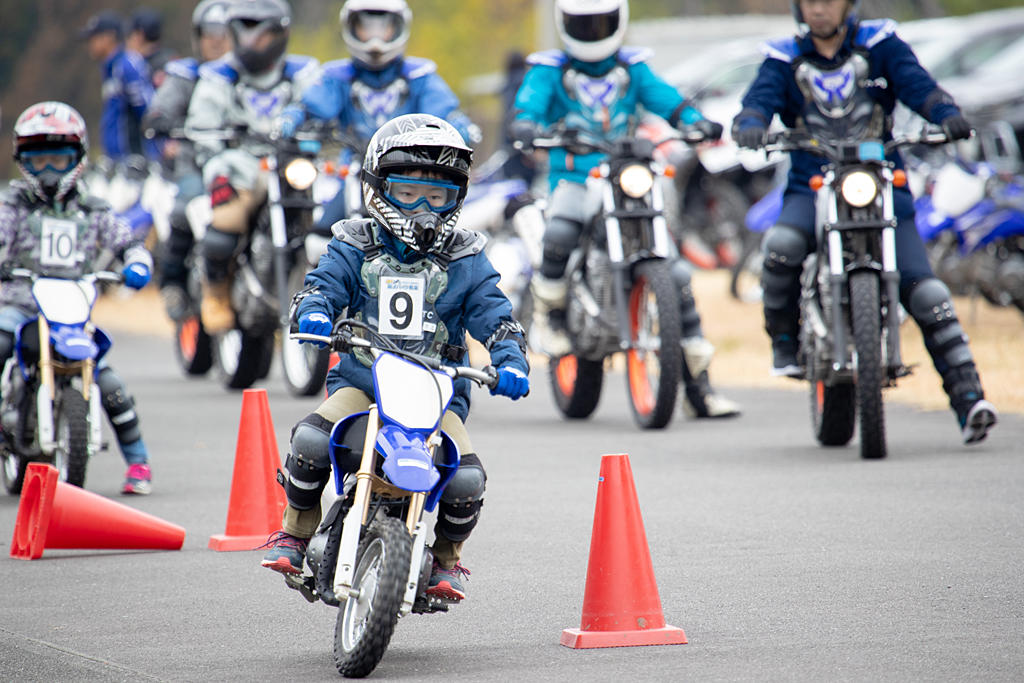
x,y
138,480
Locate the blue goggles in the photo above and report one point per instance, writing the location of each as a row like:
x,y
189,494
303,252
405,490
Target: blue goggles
x,y
57,159
409,194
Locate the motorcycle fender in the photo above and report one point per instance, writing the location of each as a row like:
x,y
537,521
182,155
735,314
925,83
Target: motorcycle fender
x,y
407,460
72,342
44,420
337,448
95,419
446,465
419,543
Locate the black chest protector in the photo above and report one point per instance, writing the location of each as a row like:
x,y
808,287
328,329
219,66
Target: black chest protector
x,y
837,104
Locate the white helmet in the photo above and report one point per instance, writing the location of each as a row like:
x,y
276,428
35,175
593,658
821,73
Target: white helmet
x,y
375,31
591,30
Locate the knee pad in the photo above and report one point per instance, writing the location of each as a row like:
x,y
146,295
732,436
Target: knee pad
x,y
462,499
560,237
784,250
682,276
931,305
219,245
309,464
119,406
6,346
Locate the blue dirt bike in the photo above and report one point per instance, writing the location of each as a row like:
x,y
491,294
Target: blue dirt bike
x,y
369,556
51,410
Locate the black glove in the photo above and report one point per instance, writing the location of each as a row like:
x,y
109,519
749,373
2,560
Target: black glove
x,y
523,133
751,137
712,129
957,127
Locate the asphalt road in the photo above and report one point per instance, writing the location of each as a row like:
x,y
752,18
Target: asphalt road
x,y
779,559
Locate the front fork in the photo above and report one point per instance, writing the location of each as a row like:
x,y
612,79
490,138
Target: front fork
x,y
47,396
279,237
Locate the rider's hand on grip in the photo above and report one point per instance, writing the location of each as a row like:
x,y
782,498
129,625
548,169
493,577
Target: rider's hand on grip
x,y
712,130
512,383
315,323
523,133
957,127
136,275
751,137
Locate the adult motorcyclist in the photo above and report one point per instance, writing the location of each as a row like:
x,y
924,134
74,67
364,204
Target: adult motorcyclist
x,y
165,117
49,226
408,257
814,77
378,83
247,89
598,86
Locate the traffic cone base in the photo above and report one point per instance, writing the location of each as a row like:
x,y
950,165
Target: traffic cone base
x,y
54,514
580,640
257,501
619,553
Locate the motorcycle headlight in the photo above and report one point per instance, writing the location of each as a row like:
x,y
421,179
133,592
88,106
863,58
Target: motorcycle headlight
x,y
859,189
300,173
636,180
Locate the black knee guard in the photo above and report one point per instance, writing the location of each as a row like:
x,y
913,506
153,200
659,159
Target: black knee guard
x,y
218,248
175,252
309,464
560,237
119,406
462,499
930,304
784,250
6,346
682,276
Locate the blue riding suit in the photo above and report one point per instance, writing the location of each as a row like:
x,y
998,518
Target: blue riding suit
x,y
127,92
361,100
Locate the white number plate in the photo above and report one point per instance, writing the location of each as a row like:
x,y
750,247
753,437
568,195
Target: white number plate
x,y
401,307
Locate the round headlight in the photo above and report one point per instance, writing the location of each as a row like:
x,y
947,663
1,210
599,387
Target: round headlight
x,y
859,189
300,173
636,180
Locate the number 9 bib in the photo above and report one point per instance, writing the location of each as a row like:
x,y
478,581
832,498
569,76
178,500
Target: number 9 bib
x,y
400,312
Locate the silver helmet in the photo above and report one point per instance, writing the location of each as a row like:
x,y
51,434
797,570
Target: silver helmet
x,y
375,31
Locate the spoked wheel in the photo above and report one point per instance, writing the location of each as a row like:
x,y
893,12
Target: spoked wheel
x,y
654,359
304,366
576,385
241,358
12,471
71,428
866,323
368,617
193,347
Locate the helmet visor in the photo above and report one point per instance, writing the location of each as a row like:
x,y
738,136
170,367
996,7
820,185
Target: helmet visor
x,y
256,36
591,28
367,25
56,159
410,194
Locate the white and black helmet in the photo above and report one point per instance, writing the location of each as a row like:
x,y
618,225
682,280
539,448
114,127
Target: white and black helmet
x,y
591,30
425,156
249,21
50,146
375,31
208,18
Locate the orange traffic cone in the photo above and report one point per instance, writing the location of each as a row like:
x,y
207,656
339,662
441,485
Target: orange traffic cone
x,y
332,360
53,514
256,503
620,604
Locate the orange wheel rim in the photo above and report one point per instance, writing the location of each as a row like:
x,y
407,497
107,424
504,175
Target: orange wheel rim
x,y
639,385
188,338
819,395
565,374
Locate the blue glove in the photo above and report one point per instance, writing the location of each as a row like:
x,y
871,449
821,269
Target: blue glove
x,y
315,323
136,275
512,383
288,122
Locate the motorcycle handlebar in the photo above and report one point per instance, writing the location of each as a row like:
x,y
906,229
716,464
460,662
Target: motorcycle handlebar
x,y
788,141
26,274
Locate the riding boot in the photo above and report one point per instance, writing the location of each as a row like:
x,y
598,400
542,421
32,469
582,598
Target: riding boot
x,y
699,399
547,333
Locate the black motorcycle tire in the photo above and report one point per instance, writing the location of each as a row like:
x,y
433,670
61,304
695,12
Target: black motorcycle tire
x,y
71,429
12,470
865,320
193,347
576,385
242,359
384,555
833,411
653,400
304,366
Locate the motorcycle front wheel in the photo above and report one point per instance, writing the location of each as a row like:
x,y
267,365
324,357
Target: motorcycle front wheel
x,y
242,358
576,385
367,619
304,366
867,338
12,471
193,347
655,356
71,428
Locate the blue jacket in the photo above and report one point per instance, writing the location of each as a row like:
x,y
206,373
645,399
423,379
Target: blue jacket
x,y
471,303
127,92
336,95
544,100
893,69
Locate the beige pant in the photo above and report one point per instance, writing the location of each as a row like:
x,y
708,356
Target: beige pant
x,y
341,404
233,216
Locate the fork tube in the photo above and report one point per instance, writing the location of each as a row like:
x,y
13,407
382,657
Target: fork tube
x,y
352,527
45,360
416,502
836,277
891,279
88,367
279,237
365,473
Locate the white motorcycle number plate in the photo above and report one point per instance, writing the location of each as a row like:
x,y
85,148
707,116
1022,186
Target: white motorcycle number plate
x,y
59,243
401,307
